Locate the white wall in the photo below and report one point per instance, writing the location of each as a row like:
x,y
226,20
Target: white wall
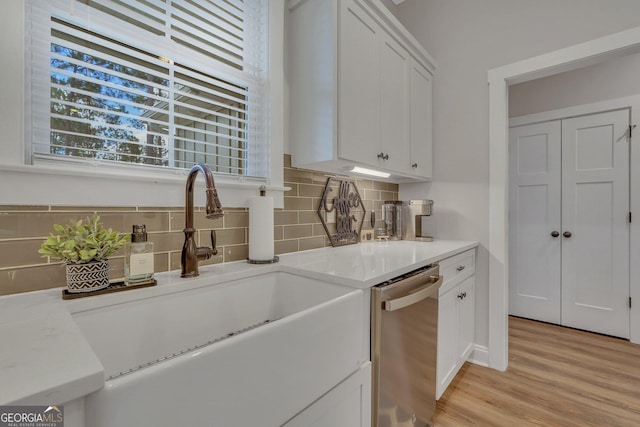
x,y
11,81
467,38
616,78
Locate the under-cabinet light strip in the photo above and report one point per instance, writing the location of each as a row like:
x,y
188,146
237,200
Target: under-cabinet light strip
x,y
372,172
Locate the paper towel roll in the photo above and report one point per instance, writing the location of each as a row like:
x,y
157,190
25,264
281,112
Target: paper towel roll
x,y
261,229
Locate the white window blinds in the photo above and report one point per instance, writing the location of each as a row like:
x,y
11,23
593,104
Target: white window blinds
x,y
163,83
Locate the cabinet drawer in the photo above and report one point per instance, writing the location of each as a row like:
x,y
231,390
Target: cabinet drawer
x,y
457,268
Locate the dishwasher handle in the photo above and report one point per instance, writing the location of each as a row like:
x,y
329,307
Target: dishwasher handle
x,y
414,297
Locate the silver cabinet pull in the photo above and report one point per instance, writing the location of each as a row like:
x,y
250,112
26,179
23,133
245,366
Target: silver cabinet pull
x,y
460,268
414,297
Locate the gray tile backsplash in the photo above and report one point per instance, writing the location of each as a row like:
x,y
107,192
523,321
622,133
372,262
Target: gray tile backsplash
x,y
297,227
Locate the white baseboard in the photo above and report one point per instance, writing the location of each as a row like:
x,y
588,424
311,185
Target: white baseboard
x,y
479,355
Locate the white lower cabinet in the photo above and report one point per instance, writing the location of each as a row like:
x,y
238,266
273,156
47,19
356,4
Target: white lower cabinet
x,y
346,405
456,317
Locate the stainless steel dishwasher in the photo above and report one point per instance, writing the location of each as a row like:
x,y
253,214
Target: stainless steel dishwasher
x,y
404,334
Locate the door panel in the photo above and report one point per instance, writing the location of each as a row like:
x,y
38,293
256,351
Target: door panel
x,y
421,141
595,206
359,82
448,337
394,70
466,317
534,212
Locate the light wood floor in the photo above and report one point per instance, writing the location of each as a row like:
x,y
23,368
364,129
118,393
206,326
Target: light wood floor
x,y
556,377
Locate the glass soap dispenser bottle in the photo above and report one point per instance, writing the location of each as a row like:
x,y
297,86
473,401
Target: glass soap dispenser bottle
x,y
138,260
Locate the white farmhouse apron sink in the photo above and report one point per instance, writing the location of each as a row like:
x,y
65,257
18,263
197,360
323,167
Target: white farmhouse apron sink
x,y
253,351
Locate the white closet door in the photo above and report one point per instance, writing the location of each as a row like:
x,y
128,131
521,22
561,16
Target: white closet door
x,y
534,213
595,207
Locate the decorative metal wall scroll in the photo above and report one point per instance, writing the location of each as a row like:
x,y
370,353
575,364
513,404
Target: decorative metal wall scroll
x,y
341,211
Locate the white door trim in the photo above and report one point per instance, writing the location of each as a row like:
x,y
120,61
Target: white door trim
x,y
574,57
632,102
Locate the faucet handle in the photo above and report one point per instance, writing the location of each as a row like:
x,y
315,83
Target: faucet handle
x,y
214,250
206,252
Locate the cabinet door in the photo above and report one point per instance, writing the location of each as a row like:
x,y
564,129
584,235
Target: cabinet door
x,y
394,87
447,339
466,318
420,126
346,405
358,85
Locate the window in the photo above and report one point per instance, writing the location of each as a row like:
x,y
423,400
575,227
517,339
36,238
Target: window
x,y
152,83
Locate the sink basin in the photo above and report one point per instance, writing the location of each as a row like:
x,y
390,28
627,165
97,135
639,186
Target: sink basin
x,y
128,336
273,342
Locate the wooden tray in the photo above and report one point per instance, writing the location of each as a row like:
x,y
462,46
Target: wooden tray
x,y
113,287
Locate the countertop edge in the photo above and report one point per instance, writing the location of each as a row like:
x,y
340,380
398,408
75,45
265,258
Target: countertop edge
x,y
47,330
49,362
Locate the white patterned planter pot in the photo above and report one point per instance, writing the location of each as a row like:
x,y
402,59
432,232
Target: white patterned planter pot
x,y
91,276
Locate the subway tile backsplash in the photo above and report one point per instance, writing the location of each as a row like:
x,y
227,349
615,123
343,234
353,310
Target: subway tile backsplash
x,y
297,227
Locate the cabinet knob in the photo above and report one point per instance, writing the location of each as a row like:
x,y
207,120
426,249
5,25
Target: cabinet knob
x,y
460,296
460,268
383,156
415,165
554,233
567,234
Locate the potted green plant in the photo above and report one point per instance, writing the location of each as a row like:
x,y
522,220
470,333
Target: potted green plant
x,y
84,246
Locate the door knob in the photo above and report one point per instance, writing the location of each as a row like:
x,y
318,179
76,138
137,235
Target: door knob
x,y
567,234
554,233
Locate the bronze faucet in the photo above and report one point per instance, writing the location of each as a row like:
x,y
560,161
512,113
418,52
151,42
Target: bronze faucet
x,y
191,253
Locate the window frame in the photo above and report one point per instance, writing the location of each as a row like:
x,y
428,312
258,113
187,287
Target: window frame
x,y
91,184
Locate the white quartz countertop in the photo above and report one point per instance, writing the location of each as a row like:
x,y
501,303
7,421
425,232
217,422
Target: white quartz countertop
x,y
368,264
45,359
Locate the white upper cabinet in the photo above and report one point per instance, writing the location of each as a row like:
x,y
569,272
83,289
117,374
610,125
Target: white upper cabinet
x,y
358,86
394,103
420,120
359,90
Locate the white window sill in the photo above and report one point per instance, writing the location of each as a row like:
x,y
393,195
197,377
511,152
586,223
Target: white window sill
x,y
99,186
